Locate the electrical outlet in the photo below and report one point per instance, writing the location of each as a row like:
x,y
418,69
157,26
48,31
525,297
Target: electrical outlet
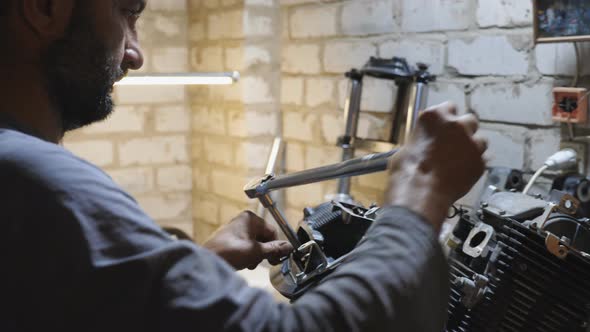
x,y
581,150
570,105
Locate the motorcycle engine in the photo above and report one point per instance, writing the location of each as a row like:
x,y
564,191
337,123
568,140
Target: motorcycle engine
x,y
520,264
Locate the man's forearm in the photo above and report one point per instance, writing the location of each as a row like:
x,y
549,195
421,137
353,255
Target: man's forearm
x,y
396,280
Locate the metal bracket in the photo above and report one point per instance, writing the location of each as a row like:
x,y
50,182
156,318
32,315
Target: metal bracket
x,y
478,249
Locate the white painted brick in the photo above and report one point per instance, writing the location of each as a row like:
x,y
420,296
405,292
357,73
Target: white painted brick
x,y
543,143
295,157
197,31
258,25
209,120
172,119
263,3
234,58
295,2
378,95
196,147
303,196
506,145
252,155
132,95
377,181
203,231
166,206
556,59
138,180
228,211
95,151
207,59
211,4
153,150
371,127
430,52
256,90
218,152
434,15
174,178
228,3
439,92
341,56
292,91
319,91
125,119
332,127
229,184
367,17
231,93
314,21
515,103
169,26
506,13
298,126
487,55
301,59
170,59
317,156
226,25
256,55
200,179
252,123
168,5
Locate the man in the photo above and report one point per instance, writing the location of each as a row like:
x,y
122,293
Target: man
x,y
80,255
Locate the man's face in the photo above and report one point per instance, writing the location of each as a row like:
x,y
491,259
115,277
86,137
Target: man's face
x,y
98,48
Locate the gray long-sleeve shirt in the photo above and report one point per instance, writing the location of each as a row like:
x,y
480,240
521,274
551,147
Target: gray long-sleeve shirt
x,y
79,254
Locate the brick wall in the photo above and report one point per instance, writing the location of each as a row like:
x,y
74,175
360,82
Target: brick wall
x,y
482,52
292,54
233,126
145,144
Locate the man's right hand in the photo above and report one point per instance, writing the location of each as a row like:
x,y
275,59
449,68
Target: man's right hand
x,y
438,165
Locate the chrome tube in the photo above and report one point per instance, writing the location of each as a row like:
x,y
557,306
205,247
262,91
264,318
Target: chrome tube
x,y
352,111
268,203
417,103
368,164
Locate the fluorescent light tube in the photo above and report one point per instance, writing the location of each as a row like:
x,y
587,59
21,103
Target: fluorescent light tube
x,y
181,79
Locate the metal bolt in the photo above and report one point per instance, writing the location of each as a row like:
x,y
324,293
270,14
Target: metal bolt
x,y
568,204
484,204
502,213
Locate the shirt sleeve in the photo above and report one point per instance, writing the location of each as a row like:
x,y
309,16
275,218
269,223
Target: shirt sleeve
x,y
396,280
80,255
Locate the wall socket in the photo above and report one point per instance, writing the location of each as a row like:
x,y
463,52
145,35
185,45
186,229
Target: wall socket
x,y
582,151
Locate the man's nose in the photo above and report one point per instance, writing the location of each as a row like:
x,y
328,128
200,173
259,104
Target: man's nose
x,y
133,58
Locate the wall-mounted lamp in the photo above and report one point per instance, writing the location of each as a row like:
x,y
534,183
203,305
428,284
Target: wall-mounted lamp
x,y
182,79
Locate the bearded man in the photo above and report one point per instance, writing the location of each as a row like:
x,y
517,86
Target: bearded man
x,y
81,255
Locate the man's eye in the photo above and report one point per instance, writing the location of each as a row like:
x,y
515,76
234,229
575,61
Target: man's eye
x,y
132,13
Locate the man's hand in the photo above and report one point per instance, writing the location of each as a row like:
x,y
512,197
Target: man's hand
x,y
246,241
438,165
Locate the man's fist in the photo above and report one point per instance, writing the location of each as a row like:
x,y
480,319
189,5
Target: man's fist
x,y
246,241
439,164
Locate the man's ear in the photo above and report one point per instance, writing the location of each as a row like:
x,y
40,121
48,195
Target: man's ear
x,y
48,19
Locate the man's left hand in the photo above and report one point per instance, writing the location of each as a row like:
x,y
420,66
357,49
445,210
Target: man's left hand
x,y
246,241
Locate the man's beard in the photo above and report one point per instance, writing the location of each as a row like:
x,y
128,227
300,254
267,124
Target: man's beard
x,y
80,73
